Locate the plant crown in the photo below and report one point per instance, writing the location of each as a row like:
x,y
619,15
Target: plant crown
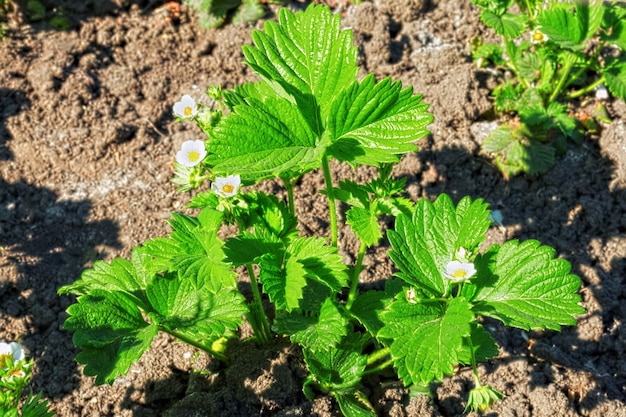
x,y
308,108
552,54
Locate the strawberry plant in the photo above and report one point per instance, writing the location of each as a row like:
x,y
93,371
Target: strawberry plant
x,y
308,108
214,13
551,54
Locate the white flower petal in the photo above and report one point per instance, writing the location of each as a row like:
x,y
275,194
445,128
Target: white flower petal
x,y
191,153
186,108
14,350
226,186
457,271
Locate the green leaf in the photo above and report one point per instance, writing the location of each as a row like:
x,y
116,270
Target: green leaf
x,y
212,13
562,27
305,259
111,332
524,286
372,123
339,367
396,206
316,333
353,194
119,275
592,14
490,52
301,50
505,24
34,407
265,139
615,76
204,314
483,346
320,261
176,302
248,248
614,24
354,404
284,284
221,313
427,339
364,224
518,154
368,307
249,11
269,214
423,245
567,124
529,67
193,250
507,96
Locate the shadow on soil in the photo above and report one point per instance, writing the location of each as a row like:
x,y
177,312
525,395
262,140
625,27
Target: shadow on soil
x,y
44,243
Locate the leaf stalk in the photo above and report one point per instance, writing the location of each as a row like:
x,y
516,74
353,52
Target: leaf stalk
x,y
192,342
257,317
358,267
569,63
330,193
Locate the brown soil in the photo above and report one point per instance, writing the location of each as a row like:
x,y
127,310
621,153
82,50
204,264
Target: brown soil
x,y
86,141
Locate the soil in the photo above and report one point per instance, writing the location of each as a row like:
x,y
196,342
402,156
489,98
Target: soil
x,y
87,139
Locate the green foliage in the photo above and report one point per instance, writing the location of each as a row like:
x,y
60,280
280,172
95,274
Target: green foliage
x,y
214,13
285,127
181,284
307,109
15,374
556,52
433,329
35,407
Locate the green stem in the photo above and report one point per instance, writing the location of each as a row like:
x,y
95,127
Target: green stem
x,y
355,277
510,51
587,89
195,343
569,63
330,193
378,355
257,317
473,361
290,200
378,368
589,63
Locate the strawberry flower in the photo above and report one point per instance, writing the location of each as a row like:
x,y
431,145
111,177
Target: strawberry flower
x,y
11,351
537,36
457,271
192,152
186,108
226,186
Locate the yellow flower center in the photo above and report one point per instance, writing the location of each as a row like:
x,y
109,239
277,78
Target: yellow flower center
x,y
228,188
537,36
188,111
193,156
459,274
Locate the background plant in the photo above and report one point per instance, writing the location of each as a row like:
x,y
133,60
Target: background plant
x,y
551,55
15,374
308,108
213,13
